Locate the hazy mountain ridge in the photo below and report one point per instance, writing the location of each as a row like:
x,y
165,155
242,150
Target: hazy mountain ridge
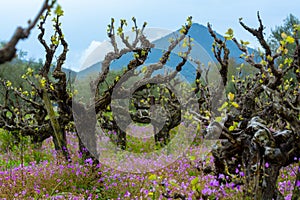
x,y
201,51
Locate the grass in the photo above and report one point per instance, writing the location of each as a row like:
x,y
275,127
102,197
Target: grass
x,y
42,174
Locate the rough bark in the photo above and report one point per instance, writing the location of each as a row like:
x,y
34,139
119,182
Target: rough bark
x,y
261,104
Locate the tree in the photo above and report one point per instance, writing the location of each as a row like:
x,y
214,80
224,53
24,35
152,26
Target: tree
x,y
8,51
101,101
243,117
262,101
283,31
30,110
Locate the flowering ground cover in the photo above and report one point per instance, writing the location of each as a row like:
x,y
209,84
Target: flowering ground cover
x,y
30,173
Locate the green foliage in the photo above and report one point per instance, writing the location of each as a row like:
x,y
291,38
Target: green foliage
x,y
238,72
7,140
229,34
286,32
59,11
14,73
282,39
290,23
19,149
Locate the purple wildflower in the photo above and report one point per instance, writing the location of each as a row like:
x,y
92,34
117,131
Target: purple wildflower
x,y
127,194
298,183
267,165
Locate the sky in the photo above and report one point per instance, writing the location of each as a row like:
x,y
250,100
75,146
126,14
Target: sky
x,y
84,22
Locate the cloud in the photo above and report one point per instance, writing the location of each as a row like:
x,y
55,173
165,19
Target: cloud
x,y
95,53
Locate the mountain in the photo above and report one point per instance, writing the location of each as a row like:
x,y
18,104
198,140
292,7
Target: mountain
x,y
202,37
201,50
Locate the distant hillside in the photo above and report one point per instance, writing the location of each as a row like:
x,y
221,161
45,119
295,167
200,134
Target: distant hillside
x,y
201,51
